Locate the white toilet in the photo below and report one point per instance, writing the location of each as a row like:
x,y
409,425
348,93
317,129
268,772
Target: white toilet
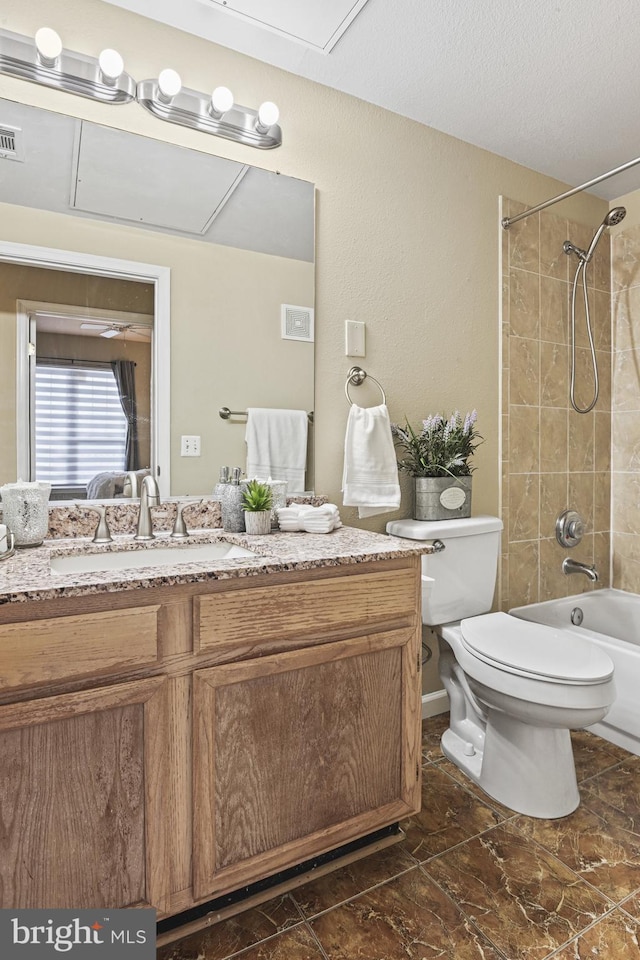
x,y
515,687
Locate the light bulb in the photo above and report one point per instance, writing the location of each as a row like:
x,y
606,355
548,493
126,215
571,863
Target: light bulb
x,y
221,100
48,45
268,114
111,65
169,83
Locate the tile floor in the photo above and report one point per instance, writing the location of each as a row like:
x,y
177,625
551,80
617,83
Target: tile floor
x,y
471,881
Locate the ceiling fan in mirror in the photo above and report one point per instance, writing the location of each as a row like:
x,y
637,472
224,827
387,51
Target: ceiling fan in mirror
x,y
108,330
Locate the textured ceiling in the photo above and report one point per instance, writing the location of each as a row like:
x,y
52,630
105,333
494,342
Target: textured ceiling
x,y
551,84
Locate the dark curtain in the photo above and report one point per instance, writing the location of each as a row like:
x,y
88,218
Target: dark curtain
x,y
124,372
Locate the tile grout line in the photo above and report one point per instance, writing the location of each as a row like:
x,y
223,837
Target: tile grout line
x,y
575,938
361,893
462,912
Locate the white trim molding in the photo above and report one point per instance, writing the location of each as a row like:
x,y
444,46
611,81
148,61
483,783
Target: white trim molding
x,y
434,703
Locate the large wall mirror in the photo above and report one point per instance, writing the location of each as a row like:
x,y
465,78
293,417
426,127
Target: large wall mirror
x,y
76,346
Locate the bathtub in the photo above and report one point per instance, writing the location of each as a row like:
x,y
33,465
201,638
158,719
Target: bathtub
x,y
610,618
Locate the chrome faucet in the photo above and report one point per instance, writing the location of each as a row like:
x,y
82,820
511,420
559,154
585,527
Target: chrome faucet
x,y
569,565
149,497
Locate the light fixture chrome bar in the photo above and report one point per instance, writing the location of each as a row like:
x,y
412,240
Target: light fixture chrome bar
x,y
70,71
192,109
507,221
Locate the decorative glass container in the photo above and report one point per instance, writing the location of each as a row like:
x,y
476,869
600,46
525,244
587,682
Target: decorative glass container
x,y
279,493
25,508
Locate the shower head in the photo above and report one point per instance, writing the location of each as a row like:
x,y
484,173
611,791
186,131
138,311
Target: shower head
x,y
614,216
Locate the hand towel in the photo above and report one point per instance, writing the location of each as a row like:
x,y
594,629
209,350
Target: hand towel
x,y
277,445
370,476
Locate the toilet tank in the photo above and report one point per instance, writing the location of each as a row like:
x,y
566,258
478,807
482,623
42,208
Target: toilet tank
x,y
460,580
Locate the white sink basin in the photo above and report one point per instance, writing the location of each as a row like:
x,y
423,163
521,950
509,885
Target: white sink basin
x,y
148,557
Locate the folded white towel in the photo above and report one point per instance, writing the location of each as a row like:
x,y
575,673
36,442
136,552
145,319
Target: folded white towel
x,y
322,519
277,445
325,510
370,476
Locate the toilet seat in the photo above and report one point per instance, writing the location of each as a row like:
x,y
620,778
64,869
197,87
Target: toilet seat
x,y
536,651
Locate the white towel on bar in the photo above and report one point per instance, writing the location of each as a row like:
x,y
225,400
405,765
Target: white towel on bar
x,y
277,445
370,476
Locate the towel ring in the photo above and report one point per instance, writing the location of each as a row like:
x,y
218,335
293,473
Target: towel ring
x,y
357,377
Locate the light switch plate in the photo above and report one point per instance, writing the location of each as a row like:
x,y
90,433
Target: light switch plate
x,y
190,446
354,338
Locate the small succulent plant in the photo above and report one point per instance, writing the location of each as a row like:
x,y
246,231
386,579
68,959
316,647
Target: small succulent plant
x,y
258,497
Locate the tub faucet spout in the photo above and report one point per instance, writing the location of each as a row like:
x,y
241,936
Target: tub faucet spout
x,y
569,565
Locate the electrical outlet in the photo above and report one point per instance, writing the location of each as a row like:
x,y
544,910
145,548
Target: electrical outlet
x,y
190,447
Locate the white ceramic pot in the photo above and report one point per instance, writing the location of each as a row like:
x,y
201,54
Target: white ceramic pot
x,y
257,521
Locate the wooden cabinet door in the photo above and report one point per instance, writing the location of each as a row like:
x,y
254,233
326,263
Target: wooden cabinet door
x,y
300,752
81,789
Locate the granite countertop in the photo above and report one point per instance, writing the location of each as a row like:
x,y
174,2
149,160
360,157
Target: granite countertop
x,y
28,576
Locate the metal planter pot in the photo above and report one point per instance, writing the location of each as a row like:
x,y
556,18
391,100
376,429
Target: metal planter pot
x,y
441,498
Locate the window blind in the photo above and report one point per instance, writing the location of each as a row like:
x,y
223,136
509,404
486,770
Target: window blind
x,y
80,427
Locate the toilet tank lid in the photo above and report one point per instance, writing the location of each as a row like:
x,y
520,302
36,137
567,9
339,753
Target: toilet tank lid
x,y
443,529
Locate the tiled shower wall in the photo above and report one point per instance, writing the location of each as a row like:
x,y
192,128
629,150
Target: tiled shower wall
x,y
626,412
553,458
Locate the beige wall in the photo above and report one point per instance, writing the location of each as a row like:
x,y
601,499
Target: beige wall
x,y
552,457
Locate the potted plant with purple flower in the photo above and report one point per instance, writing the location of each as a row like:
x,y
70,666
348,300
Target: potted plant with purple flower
x,y
437,457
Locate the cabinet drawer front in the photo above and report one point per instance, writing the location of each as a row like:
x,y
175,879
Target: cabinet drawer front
x,y
42,651
317,608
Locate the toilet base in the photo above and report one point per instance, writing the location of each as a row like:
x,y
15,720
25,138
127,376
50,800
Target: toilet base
x,y
525,767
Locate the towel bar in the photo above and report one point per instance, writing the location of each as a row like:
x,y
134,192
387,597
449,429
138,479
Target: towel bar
x,y
357,376
224,413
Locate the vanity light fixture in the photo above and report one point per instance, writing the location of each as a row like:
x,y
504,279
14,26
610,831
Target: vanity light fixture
x,y
44,60
217,113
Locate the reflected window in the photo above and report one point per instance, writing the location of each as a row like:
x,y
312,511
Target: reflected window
x,y
80,426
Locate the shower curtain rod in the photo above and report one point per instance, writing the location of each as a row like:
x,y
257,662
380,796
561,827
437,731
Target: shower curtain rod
x,y
507,221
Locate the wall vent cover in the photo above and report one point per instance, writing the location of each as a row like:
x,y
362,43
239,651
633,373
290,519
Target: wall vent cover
x,y
11,143
297,323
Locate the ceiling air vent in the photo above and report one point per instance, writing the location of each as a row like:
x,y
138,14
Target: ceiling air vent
x,y
11,144
297,323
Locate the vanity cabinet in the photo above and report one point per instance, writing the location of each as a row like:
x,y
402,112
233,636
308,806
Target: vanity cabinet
x,y
170,745
298,753
80,798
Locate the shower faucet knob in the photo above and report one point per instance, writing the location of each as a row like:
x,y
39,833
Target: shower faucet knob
x,y
569,528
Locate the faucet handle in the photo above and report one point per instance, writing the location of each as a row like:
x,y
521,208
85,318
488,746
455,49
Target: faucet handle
x,y
102,534
179,528
570,528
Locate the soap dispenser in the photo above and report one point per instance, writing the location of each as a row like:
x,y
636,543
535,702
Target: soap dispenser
x,y
232,508
221,485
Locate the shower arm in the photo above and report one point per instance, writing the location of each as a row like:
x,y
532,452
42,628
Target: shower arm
x,y
507,221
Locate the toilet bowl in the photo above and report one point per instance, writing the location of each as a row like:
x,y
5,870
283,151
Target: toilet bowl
x,y
514,693
514,696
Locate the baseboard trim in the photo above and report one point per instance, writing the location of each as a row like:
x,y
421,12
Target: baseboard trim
x,y
434,703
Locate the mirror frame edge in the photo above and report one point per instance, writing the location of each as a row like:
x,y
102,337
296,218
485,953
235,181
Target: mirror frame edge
x,y
160,276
